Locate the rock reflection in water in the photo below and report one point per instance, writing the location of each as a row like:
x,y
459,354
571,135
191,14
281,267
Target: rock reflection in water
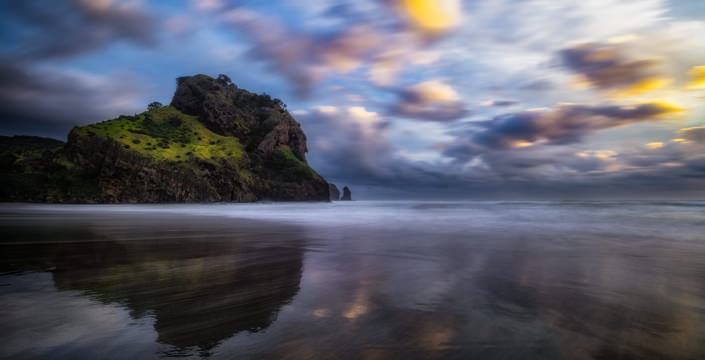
x,y
387,280
200,290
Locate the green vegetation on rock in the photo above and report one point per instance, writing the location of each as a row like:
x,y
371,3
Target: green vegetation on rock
x,y
288,166
166,134
215,142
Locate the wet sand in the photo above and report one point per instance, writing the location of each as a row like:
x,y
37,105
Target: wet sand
x,y
359,280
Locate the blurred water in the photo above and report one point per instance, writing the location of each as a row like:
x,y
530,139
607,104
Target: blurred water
x,y
363,279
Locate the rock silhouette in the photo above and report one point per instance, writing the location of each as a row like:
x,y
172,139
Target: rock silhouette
x,y
347,195
334,192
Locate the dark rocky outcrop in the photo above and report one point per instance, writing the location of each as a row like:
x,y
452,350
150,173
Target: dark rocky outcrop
x,y
347,195
334,192
215,142
24,143
259,121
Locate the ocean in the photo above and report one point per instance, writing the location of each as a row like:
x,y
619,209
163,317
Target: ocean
x,y
354,280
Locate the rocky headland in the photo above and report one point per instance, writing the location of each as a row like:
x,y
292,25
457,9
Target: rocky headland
x,y
215,142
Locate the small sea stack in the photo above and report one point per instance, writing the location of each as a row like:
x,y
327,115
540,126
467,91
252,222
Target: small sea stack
x,y
347,195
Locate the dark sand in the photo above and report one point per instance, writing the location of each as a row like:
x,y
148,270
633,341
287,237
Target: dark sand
x,y
361,280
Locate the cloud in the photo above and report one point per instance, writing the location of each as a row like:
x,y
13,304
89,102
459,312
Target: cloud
x,y
695,134
349,140
74,27
208,4
563,124
304,58
38,98
697,164
664,160
500,103
49,102
352,144
600,154
395,60
431,16
697,74
560,171
430,100
605,67
380,46
531,168
645,170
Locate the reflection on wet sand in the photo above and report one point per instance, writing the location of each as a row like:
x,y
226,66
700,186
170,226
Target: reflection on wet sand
x,y
199,290
499,298
512,284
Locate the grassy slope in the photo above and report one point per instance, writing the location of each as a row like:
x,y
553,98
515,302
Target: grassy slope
x,y
166,134
289,167
163,134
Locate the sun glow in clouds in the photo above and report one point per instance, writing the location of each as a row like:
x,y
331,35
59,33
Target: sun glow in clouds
x,y
697,74
435,91
432,15
643,86
522,144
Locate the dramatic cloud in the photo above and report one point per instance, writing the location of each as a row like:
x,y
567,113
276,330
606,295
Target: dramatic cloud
x,y
304,58
420,94
695,134
49,102
431,100
632,170
69,28
605,67
352,145
563,124
360,133
382,49
346,141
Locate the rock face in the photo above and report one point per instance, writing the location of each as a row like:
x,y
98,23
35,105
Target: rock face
x,y
215,142
347,195
334,192
260,122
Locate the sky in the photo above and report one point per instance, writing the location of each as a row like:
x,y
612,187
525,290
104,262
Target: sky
x,y
437,99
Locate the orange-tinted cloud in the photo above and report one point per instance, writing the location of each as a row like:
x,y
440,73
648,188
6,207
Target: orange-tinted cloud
x,y
697,74
605,67
600,154
430,100
695,134
433,16
563,124
643,86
